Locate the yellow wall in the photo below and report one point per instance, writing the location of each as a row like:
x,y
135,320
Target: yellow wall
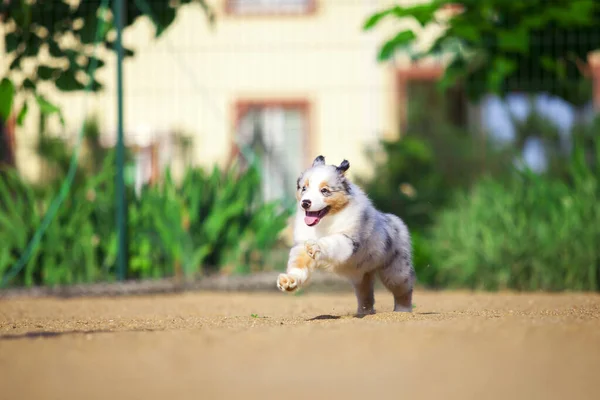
x,y
190,78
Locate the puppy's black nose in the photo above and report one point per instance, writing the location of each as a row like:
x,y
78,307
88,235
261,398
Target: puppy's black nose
x,y
306,204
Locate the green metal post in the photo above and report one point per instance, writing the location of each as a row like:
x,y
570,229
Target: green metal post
x,y
121,200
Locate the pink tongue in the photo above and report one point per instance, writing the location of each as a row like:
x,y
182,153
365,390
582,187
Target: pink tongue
x,y
310,221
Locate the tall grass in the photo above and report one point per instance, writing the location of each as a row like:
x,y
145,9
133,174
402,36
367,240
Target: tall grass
x,y
210,220
532,232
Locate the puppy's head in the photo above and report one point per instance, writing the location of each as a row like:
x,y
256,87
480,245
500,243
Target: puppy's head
x,y
323,190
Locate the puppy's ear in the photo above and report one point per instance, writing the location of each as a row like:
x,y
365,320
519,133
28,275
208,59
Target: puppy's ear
x,y
319,161
343,167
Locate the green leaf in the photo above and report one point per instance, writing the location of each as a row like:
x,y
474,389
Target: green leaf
x,y
165,19
504,65
423,13
96,86
579,12
72,55
557,67
7,94
112,46
46,73
501,68
375,18
98,63
513,40
29,84
87,33
55,50
68,83
128,52
33,45
453,72
11,42
45,106
22,114
548,63
402,39
16,63
467,32
535,21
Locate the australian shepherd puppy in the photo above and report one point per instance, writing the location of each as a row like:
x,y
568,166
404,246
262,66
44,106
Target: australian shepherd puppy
x,y
338,229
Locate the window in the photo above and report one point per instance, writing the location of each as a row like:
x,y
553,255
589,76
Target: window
x,y
143,168
277,134
424,96
420,99
253,7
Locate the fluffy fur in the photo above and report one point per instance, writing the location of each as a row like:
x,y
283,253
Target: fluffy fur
x,y
338,229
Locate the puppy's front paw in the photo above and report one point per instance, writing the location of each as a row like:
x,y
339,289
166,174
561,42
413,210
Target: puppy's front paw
x,y
287,283
312,249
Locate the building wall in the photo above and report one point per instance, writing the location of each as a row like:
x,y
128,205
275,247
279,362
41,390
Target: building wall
x,y
191,79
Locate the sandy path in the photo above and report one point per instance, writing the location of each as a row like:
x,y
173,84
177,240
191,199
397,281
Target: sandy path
x,y
209,346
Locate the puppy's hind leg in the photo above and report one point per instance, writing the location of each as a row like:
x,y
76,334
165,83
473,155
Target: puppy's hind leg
x,y
399,278
364,290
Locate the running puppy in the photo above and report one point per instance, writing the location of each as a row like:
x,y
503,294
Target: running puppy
x,y
337,228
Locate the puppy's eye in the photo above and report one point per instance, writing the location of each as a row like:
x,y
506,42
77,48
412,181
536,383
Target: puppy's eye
x,y
303,188
325,191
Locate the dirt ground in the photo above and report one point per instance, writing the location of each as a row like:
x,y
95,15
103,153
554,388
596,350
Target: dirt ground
x,y
455,345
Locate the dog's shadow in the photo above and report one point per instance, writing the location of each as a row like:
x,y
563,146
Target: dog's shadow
x,y
324,317
53,334
330,317
359,316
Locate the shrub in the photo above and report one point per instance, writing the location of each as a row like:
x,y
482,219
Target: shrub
x,y
533,232
417,173
216,220
209,220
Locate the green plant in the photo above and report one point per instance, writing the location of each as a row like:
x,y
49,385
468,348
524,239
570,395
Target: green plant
x,y
72,250
56,155
533,232
6,99
502,46
420,171
67,31
208,221
417,173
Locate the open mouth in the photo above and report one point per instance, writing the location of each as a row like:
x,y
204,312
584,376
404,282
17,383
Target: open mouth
x,y
313,217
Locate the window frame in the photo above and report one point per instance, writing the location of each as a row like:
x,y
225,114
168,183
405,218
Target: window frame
x,y
229,10
431,73
304,105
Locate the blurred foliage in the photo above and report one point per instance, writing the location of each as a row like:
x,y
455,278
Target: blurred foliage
x,y
6,99
417,173
533,232
7,94
66,31
208,221
501,46
216,220
56,154
478,219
